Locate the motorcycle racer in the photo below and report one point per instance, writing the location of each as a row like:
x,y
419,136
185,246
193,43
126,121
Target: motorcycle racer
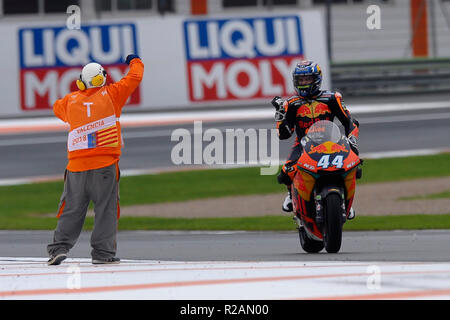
x,y
301,111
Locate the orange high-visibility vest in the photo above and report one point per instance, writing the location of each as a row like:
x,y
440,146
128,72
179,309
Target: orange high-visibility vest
x,y
95,139
94,126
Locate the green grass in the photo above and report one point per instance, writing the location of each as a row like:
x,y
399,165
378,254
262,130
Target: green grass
x,y
439,195
284,223
22,207
267,223
407,168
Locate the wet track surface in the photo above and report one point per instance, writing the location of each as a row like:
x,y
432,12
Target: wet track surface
x,y
415,245
38,154
44,153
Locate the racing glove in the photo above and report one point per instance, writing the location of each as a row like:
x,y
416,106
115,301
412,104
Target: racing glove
x,y
131,57
353,144
280,113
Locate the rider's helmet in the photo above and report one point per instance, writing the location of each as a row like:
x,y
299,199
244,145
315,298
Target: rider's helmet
x,y
307,78
93,75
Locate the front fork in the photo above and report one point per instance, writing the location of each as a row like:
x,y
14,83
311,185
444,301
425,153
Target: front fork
x,y
319,201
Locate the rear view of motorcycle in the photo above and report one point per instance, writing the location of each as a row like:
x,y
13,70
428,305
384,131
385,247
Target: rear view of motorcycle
x,y
323,187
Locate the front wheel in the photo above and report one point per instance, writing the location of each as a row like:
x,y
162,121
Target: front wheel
x,y
332,233
308,244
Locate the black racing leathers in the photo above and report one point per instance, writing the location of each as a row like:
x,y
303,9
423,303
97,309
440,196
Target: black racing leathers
x,y
298,114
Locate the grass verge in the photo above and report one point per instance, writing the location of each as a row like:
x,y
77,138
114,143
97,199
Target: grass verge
x,y
285,223
439,195
22,207
266,223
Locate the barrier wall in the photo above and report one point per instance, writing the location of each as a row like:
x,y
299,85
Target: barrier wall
x,y
216,61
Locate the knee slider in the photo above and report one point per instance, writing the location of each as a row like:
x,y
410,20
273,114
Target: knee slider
x,y
283,178
358,172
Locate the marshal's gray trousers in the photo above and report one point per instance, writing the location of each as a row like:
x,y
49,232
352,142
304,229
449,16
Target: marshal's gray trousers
x,y
102,187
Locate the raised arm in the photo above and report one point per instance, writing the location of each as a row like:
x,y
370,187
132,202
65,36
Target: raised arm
x,y
120,91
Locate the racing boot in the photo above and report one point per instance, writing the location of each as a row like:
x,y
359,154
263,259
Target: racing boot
x,y
287,204
351,214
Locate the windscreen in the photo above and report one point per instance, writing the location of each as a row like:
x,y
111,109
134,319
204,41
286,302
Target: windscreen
x,y
323,131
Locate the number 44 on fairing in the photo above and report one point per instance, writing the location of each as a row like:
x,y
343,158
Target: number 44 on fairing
x,y
324,161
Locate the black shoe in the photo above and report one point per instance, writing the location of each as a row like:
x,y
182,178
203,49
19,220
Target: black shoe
x,y
56,259
112,260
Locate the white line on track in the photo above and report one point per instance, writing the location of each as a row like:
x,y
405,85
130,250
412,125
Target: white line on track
x,y
32,141
403,153
168,132
63,138
406,118
142,119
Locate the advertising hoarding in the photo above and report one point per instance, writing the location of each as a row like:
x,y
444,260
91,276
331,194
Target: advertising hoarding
x,y
214,61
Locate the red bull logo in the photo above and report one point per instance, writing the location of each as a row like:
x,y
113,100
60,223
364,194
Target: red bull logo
x,y
338,148
304,111
320,109
313,110
328,148
307,124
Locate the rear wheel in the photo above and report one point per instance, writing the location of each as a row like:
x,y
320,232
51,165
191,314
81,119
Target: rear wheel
x,y
332,233
308,244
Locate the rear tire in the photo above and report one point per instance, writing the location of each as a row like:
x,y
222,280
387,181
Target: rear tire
x,y
309,245
332,237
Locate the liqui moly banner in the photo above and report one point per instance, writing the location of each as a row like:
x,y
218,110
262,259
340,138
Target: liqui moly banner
x,y
242,58
213,61
51,59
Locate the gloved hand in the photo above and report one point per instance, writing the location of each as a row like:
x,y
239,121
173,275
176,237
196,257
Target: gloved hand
x,y
280,113
353,144
131,57
277,102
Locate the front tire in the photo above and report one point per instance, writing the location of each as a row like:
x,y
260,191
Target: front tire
x,y
332,233
308,244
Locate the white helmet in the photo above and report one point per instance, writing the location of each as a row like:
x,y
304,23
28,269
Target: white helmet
x,y
93,75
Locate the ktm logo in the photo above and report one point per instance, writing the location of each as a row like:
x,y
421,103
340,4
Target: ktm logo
x,y
312,110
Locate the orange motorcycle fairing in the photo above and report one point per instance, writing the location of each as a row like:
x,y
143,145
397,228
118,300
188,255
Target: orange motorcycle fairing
x,y
351,161
305,214
304,183
301,189
306,162
350,184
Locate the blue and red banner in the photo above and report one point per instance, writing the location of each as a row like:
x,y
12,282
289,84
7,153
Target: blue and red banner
x,y
51,59
241,58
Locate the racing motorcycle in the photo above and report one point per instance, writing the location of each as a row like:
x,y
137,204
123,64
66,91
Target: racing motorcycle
x,y
323,187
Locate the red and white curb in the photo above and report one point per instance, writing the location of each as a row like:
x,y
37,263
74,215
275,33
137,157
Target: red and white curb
x,y
31,278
